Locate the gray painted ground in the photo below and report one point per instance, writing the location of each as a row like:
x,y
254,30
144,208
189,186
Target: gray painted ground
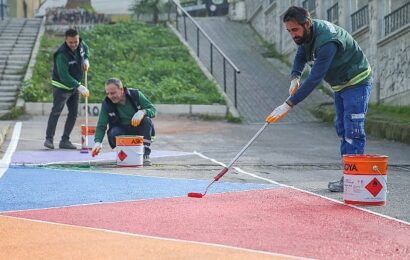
x,y
303,155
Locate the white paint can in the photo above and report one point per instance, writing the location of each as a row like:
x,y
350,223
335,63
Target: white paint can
x,y
130,150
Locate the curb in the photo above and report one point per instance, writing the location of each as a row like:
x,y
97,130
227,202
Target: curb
x,y
32,108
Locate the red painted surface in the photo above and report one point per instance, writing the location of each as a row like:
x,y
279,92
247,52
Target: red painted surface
x,y
279,220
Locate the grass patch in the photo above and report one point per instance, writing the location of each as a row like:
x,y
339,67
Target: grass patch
x,y
146,57
394,114
14,113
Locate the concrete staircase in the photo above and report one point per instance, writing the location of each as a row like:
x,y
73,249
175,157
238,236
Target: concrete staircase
x,y
17,39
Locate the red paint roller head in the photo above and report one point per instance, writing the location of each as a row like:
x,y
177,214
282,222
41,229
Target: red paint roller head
x,y
195,195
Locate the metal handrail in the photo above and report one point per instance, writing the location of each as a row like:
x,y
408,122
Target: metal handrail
x,y
213,46
206,35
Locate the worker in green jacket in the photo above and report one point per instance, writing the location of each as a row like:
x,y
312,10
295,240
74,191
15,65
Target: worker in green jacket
x,y
126,112
337,58
70,63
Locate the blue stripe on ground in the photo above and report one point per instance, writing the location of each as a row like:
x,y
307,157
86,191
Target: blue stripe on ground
x,y
34,188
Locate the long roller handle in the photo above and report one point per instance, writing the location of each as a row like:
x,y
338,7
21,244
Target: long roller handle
x,y
86,111
225,169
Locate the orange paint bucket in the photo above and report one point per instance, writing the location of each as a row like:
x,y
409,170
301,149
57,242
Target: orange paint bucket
x,y
87,136
130,150
365,179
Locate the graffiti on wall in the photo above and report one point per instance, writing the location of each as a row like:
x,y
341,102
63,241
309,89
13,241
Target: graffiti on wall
x,y
92,109
62,16
394,59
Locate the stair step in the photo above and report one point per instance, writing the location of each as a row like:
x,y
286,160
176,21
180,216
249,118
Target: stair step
x,y
11,67
17,56
4,111
9,83
13,72
8,94
5,89
17,39
16,62
6,106
11,77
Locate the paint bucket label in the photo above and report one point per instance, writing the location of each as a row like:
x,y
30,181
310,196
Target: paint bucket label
x,y
87,137
365,179
130,150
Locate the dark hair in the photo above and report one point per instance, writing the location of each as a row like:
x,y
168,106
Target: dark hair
x,y
114,81
297,14
71,33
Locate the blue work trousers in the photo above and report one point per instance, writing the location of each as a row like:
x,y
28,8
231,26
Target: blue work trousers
x,y
145,129
351,108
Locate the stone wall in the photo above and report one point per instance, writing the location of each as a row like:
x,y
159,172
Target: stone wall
x,y
389,55
393,57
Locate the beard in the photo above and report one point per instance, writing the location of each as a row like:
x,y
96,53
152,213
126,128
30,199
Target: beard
x,y
304,39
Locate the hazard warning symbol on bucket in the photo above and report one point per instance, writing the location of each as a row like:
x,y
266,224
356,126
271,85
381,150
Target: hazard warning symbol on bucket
x,y
374,187
122,155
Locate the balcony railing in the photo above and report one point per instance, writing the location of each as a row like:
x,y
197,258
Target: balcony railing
x,y
397,19
360,18
309,5
333,14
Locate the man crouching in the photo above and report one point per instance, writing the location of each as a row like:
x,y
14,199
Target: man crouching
x,y
126,112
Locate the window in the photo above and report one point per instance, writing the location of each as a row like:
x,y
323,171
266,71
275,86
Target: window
x,y
310,5
333,14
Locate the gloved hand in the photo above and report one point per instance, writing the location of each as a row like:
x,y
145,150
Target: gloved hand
x,y
137,118
84,91
294,85
96,149
86,65
278,113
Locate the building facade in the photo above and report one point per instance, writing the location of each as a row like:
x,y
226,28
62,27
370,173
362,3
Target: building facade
x,y
21,8
381,27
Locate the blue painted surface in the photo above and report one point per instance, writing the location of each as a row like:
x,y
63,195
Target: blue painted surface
x,y
34,188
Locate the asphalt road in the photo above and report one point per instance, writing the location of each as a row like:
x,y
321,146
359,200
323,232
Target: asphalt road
x,y
301,155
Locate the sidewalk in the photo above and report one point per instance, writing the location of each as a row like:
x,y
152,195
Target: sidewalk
x,y
261,85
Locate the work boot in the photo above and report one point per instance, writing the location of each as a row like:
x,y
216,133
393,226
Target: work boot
x,y
147,160
336,186
67,145
49,144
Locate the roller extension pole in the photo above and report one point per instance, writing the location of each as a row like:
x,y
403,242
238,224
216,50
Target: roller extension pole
x,y
86,111
86,116
226,169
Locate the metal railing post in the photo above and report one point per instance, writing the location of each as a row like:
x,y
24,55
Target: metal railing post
x,y
212,46
235,89
224,65
186,36
197,42
212,59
